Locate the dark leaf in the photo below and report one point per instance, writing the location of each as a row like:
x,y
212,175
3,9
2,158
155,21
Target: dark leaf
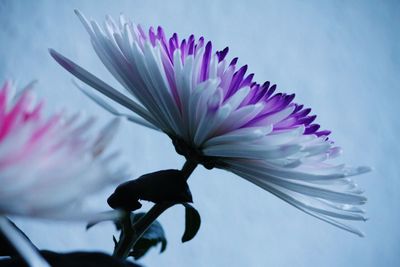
x,y
161,186
192,222
76,259
151,238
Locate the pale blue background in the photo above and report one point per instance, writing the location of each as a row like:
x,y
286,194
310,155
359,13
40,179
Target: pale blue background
x,y
340,57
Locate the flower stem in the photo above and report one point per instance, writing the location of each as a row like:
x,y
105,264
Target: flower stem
x,y
127,232
24,247
131,234
188,168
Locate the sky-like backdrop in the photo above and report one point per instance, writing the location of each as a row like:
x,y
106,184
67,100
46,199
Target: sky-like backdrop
x,y
342,58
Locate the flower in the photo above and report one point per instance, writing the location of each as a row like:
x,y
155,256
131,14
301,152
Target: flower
x,y
48,165
218,116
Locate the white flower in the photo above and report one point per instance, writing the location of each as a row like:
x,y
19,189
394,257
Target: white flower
x,y
218,116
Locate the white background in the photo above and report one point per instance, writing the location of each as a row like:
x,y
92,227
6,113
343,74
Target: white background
x,y
340,57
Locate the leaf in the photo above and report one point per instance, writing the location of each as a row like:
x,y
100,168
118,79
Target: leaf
x,y
161,186
152,237
192,222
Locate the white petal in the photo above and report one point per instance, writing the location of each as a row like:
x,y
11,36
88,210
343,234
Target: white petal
x,y
282,137
239,136
113,111
330,191
298,204
239,118
334,172
276,117
99,85
251,151
209,122
105,137
236,99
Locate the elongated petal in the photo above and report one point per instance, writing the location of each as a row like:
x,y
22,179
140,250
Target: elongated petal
x,y
115,112
99,85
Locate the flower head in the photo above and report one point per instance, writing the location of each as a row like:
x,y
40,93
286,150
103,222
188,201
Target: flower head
x,y
48,165
218,116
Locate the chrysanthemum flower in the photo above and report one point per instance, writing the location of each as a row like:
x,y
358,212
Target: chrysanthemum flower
x,y
218,116
48,165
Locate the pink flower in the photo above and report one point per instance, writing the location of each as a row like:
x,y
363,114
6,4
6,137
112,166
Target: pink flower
x,y
48,165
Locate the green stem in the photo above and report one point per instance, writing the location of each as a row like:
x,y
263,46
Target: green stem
x,y
131,234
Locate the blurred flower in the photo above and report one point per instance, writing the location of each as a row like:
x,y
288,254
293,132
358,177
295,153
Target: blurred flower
x,y
48,165
218,116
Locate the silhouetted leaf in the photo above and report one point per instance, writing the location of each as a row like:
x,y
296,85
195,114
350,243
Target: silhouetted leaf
x,y
151,238
192,222
161,186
